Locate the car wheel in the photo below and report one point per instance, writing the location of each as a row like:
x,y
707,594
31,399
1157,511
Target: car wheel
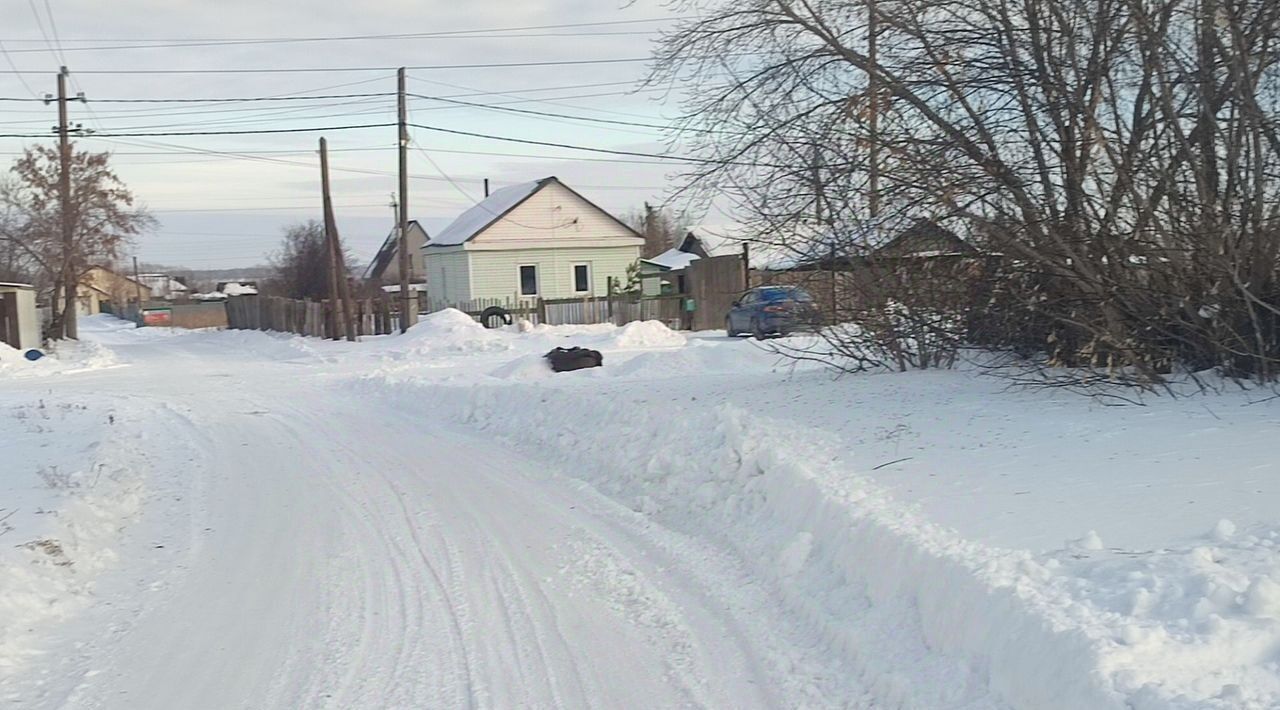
x,y
757,331
728,328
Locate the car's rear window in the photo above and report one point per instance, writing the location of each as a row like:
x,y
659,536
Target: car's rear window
x,y
785,294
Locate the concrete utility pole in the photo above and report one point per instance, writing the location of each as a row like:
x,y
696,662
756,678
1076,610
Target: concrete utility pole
x,y
408,311
70,275
339,290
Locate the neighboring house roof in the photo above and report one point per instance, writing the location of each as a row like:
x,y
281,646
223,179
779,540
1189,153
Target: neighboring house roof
x,y
236,288
390,247
13,284
88,279
496,206
672,259
922,238
164,282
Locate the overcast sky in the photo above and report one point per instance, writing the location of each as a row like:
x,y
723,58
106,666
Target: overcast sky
x,y
225,211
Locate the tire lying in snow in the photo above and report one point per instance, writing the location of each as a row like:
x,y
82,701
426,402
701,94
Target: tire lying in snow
x,y
495,317
569,359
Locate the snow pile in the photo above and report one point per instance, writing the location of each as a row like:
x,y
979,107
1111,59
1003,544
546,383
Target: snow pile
x,y
236,288
71,481
924,616
447,331
65,357
646,334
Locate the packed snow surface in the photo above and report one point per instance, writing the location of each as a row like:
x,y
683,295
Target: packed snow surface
x,y
242,519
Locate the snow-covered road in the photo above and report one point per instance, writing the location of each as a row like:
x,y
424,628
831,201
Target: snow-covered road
x,y
435,520
333,554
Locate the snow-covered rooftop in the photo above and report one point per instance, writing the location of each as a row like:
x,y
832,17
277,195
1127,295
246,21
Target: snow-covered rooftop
x,y
673,259
485,212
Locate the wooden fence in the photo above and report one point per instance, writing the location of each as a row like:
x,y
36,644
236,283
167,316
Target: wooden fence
x,y
311,318
618,310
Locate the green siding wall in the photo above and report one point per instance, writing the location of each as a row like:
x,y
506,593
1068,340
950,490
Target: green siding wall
x,y
495,274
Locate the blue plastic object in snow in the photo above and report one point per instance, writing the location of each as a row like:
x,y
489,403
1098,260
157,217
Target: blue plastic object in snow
x,y
33,354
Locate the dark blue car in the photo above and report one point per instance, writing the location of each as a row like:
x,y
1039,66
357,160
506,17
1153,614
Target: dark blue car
x,y
771,311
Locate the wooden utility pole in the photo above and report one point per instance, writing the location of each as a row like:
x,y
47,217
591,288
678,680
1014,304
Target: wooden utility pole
x,y
70,274
873,106
339,290
408,312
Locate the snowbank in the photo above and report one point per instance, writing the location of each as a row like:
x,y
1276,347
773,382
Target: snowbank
x,y
72,478
64,357
924,616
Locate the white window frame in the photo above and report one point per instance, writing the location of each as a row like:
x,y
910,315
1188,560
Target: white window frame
x,y
537,281
573,278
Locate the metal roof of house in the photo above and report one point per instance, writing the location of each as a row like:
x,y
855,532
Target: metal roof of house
x,y
486,212
496,206
14,284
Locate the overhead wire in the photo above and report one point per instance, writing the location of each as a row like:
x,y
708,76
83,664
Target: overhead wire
x,y
327,70
208,41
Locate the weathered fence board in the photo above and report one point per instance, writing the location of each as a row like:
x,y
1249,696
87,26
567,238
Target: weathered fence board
x,y
309,318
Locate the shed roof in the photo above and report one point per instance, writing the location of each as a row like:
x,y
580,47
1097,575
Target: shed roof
x,y
14,284
672,259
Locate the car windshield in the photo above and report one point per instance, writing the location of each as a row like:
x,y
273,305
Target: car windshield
x,y
785,294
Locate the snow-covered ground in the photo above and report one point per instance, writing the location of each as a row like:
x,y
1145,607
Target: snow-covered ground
x,y
238,519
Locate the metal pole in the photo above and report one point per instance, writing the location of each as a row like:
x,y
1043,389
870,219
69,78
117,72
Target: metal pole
x,y
407,312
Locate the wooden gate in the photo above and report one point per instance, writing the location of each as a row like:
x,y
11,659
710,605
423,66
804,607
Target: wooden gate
x,y
714,284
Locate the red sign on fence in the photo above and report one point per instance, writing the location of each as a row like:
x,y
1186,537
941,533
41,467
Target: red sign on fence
x,y
158,316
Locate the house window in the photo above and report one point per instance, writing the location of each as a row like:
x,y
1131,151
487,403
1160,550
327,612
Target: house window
x,y
581,278
528,280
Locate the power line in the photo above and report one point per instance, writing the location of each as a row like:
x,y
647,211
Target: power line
x,y
301,70
300,97
552,144
549,114
45,35
232,43
18,75
127,133
53,28
200,41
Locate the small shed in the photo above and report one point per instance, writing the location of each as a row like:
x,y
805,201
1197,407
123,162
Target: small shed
x,y
19,318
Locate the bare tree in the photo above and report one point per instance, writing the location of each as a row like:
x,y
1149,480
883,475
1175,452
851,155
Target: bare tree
x,y
302,264
662,229
1118,156
103,217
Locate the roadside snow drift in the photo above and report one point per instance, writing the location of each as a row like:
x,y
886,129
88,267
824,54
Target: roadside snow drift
x,y
438,515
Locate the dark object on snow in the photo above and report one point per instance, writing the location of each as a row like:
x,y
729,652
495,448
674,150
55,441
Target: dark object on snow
x,y
495,317
569,359
33,354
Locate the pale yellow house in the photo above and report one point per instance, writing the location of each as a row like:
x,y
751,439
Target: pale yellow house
x,y
99,286
538,239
